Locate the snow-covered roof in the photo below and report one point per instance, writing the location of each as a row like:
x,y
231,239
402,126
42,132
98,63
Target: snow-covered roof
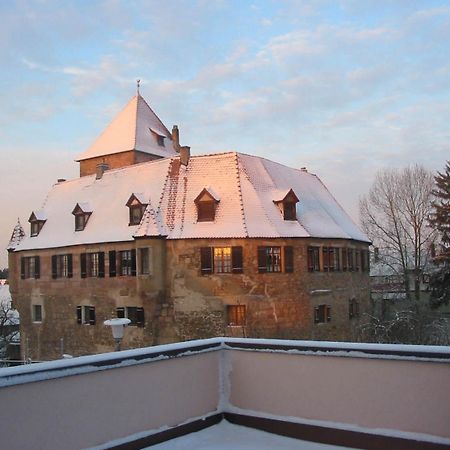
x,y
132,129
16,236
246,186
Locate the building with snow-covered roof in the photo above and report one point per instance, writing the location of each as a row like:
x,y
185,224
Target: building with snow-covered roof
x,y
185,247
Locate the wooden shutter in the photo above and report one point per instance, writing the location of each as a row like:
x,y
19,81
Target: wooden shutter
x,y
69,266
262,260
78,314
206,260
140,318
91,315
120,313
112,263
328,313
289,259
83,265
133,262
22,268
101,264
310,259
316,314
236,260
54,266
344,259
356,308
326,258
37,267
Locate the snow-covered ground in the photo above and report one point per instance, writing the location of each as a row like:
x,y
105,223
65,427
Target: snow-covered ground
x,y
226,436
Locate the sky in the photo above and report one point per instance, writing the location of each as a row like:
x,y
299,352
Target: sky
x,y
344,88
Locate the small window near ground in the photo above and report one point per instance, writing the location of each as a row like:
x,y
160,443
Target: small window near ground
x,y
37,313
322,314
236,315
86,315
134,313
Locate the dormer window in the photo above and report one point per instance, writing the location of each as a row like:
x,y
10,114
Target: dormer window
x,y
37,220
206,203
137,204
288,205
82,212
159,137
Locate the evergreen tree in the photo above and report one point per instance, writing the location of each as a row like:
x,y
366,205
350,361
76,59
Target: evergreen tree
x,y
440,220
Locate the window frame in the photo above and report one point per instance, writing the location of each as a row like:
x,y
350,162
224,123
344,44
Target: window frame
x,y
137,316
129,268
313,258
26,264
86,315
207,263
322,313
270,259
62,266
92,265
37,317
145,263
236,315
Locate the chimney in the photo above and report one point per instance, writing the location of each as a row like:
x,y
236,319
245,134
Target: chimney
x,y
101,169
185,154
176,138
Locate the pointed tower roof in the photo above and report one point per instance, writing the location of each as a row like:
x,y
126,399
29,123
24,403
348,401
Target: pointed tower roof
x,y
136,127
17,235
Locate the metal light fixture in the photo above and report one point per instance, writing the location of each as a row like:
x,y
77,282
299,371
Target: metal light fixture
x,y
117,327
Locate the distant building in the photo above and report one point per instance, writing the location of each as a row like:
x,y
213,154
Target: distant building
x,y
185,247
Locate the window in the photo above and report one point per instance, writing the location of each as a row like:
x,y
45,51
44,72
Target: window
x,y
92,265
36,313
221,260
357,260
37,220
365,261
127,263
322,313
158,137
86,315
206,203
30,267
313,259
236,315
62,266
353,308
134,313
136,205
330,259
145,261
269,259
350,259
82,212
287,205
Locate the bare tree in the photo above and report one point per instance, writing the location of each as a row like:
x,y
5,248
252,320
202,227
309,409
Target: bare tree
x,y
9,324
395,215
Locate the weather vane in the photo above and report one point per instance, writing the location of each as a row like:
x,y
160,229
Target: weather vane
x,y
138,82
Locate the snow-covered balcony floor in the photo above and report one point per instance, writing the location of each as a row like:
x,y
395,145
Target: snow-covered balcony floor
x,y
226,436
339,394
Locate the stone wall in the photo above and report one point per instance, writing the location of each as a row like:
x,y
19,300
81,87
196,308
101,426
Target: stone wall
x,y
179,302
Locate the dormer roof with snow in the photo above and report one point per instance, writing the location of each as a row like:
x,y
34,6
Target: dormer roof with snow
x,y
245,185
16,237
137,128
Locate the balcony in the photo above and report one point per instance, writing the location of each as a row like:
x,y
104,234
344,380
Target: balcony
x,y
352,395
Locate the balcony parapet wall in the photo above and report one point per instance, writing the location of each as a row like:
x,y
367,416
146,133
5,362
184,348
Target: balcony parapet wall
x,y
391,390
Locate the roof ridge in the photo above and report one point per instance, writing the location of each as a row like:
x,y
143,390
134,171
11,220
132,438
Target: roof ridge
x,y
241,201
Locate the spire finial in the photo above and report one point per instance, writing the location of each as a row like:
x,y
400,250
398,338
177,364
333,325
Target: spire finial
x,y
138,83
